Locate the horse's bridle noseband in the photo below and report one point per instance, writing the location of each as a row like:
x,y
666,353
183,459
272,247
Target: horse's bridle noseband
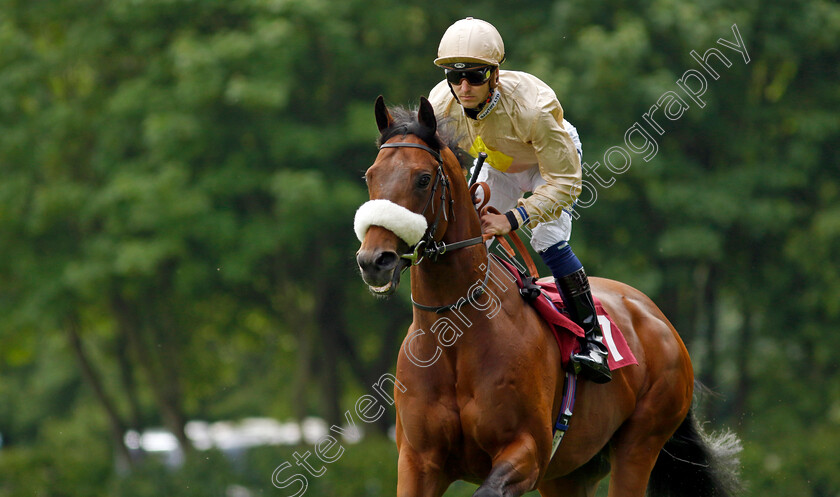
x,y
428,247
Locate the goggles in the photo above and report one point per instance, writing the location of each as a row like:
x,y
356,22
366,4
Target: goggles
x,y
475,76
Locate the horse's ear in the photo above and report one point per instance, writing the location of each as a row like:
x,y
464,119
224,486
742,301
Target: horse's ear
x,y
383,117
426,114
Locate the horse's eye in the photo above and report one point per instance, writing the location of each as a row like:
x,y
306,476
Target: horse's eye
x,y
423,181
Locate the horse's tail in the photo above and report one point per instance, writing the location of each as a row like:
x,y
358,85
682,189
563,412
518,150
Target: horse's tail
x,y
694,463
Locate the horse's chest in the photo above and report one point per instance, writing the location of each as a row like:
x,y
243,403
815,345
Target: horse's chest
x,y
460,424
468,414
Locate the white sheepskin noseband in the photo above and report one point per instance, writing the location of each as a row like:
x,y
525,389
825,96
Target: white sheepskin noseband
x,y
407,225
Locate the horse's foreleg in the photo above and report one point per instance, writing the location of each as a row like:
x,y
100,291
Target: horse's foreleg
x,y
515,470
420,475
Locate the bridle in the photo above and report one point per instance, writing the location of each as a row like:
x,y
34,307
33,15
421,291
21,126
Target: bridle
x,y
430,248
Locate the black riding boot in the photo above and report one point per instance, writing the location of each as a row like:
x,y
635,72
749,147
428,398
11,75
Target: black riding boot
x,y
591,361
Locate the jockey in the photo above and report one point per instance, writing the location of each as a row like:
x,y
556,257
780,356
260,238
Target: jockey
x,y
517,121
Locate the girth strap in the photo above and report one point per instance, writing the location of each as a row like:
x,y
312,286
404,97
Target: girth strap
x,y
565,415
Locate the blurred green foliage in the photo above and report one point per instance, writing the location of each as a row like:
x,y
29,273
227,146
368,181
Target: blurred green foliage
x,y
179,180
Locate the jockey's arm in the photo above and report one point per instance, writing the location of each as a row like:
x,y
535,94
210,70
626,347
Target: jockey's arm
x,y
559,165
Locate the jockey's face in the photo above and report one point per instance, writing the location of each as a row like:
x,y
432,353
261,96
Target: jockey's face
x,y
471,96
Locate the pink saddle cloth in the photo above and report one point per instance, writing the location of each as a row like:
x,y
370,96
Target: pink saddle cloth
x,y
549,305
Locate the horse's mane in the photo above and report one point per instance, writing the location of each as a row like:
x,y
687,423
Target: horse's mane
x,y
406,123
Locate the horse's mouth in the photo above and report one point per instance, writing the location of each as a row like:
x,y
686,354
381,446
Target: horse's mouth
x,y
383,291
389,288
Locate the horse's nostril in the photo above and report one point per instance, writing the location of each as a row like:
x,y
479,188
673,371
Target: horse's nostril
x,y
386,260
370,261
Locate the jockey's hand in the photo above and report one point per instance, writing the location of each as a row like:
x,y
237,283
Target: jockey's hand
x,y
495,224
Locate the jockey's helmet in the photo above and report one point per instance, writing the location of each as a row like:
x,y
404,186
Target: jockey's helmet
x,y
470,42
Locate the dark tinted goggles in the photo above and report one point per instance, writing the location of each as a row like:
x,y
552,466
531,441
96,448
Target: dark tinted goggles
x,y
475,77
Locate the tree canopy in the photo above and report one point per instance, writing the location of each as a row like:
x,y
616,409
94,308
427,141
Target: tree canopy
x,y
179,180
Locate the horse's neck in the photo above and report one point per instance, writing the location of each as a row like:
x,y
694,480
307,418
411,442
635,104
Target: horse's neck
x,y
449,278
471,329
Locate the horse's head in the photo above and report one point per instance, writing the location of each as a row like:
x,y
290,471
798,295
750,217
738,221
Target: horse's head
x,y
410,186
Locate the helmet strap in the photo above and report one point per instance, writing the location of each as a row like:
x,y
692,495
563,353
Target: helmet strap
x,y
483,110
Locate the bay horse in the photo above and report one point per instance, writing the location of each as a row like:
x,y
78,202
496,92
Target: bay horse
x,y
479,375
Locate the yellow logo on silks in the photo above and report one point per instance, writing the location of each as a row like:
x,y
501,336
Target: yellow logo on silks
x,y
495,158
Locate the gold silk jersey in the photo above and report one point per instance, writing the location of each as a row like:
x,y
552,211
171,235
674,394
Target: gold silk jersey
x,y
523,130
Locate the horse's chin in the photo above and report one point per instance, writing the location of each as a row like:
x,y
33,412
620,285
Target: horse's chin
x,y
384,291
389,288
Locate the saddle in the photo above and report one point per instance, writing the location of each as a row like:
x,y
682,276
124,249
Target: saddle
x,y
545,298
543,295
